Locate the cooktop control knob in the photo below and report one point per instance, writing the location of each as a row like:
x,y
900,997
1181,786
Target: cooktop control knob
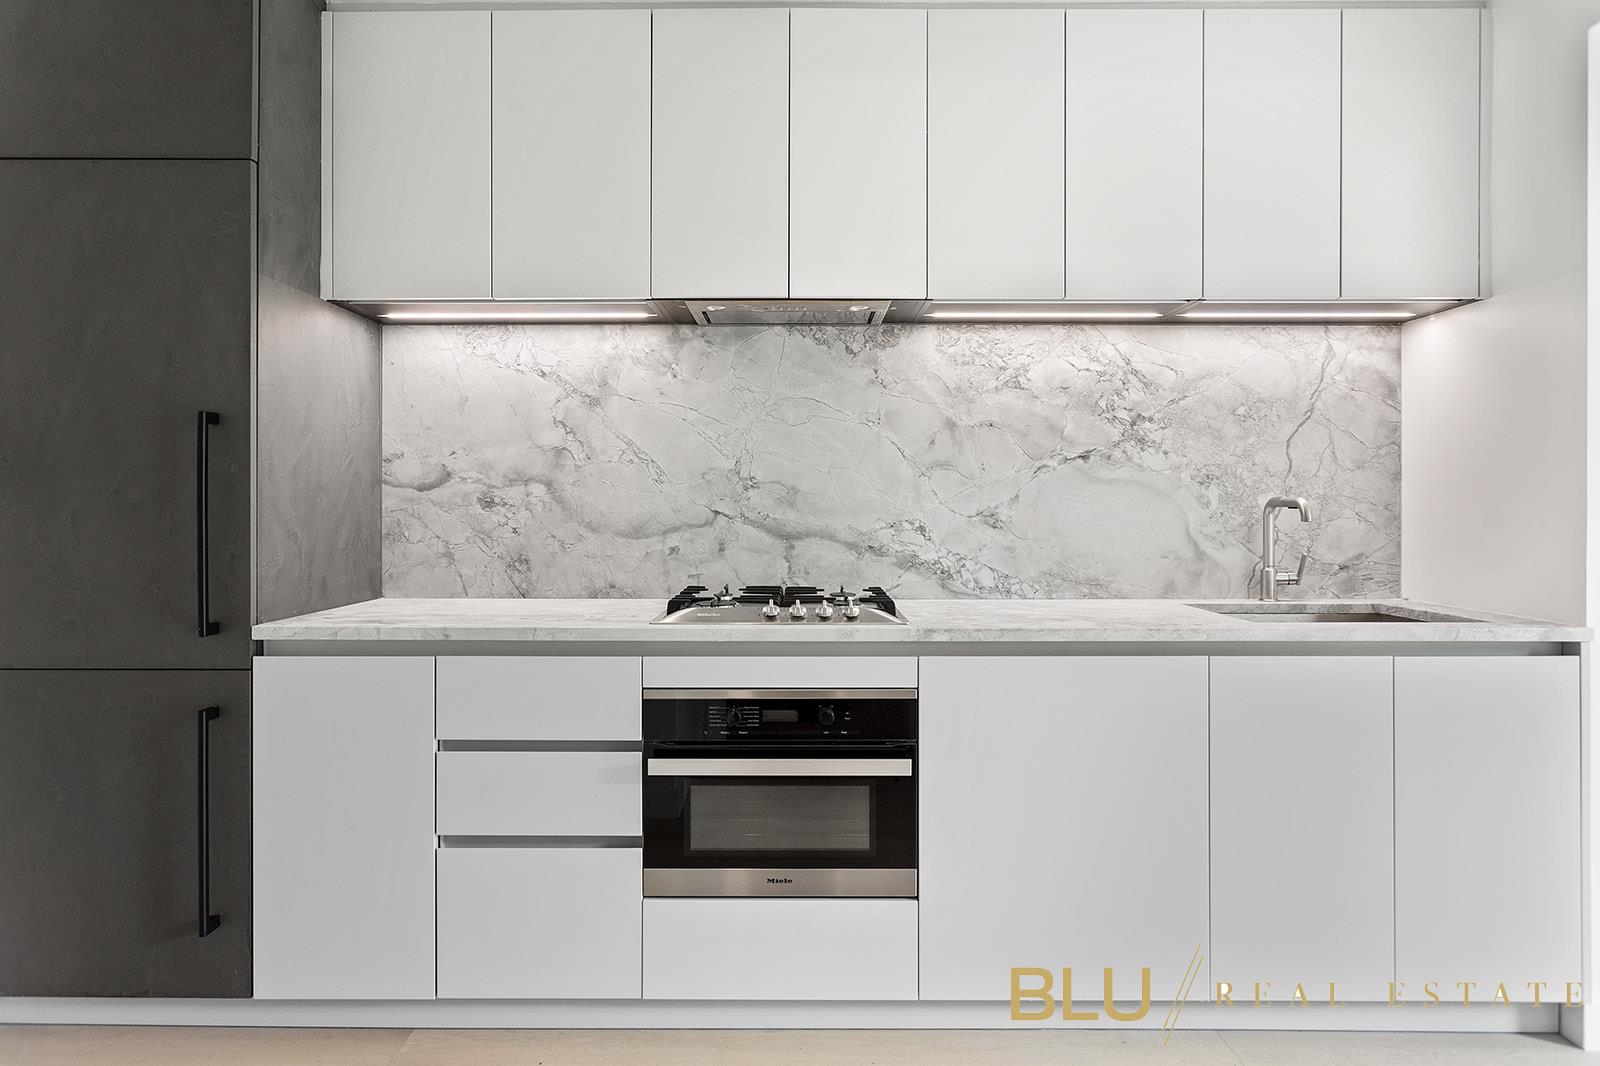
x,y
825,716
797,611
852,609
824,611
770,610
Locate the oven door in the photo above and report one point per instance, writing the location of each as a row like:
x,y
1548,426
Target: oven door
x,y
780,820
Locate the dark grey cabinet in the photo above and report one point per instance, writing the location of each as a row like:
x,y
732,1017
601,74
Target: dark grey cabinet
x,y
126,308
101,833
161,79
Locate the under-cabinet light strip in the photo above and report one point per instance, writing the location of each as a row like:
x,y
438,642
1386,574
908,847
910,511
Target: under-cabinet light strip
x,y
1054,316
1319,316
515,316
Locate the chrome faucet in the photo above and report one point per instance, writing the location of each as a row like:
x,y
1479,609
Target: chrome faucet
x,y
1270,577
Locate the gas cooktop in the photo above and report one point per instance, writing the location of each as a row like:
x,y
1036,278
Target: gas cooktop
x,y
780,605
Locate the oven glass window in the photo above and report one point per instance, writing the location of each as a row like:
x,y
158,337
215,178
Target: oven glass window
x,y
777,818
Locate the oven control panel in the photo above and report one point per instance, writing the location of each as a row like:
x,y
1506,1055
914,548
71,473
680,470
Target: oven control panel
x,y
779,715
746,719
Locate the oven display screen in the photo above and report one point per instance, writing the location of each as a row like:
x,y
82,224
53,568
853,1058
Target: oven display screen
x,y
779,817
779,714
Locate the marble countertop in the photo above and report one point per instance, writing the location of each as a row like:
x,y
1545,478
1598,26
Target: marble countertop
x,y
931,622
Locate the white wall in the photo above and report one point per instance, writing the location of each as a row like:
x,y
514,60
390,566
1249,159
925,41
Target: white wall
x,y
1593,360
1493,501
1492,454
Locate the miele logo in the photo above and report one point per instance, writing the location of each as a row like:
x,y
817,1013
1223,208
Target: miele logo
x,y
780,880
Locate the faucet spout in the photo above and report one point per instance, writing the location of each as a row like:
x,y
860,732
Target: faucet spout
x,y
1290,503
1270,578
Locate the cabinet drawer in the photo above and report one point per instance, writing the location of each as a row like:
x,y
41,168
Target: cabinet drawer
x,y
789,671
539,923
832,949
538,793
537,698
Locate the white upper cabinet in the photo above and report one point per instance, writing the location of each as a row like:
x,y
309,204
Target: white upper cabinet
x,y
1272,155
720,153
858,140
1116,155
1133,154
409,121
995,192
571,154
1411,106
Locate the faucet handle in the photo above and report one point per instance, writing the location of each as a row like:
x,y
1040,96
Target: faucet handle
x,y
1299,572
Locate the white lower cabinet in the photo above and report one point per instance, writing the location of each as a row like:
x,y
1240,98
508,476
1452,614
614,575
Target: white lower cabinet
x,y
539,697
539,923
1487,874
1302,825
539,793
784,949
787,671
342,823
1062,821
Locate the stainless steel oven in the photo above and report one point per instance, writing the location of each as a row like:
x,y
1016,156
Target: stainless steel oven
x,y
780,792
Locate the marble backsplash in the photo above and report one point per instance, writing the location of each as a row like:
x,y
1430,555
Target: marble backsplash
x,y
959,460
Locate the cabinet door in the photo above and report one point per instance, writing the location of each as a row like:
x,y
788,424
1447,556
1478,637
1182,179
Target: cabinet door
x,y
534,697
995,200
858,153
780,671
539,793
720,153
1411,105
99,79
1272,155
411,159
571,154
783,949
131,315
1487,863
1062,821
540,923
344,890
1302,824
1134,89
100,828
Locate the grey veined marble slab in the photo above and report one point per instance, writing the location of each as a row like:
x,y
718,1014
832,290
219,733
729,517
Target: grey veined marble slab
x,y
931,622
1001,461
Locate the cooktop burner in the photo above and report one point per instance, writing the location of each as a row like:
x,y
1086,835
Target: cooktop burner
x,y
781,605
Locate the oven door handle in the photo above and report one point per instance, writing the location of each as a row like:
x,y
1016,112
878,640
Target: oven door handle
x,y
778,767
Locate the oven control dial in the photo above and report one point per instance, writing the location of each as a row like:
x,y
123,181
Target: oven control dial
x,y
825,716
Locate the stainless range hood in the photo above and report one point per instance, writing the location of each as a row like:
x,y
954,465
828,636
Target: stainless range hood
x,y
785,312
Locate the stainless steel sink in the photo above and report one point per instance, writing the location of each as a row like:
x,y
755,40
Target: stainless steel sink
x,y
1290,611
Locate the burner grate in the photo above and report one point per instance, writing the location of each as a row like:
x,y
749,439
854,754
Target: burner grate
x,y
782,595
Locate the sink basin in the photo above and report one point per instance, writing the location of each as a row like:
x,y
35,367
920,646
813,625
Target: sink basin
x,y
1307,612
1330,616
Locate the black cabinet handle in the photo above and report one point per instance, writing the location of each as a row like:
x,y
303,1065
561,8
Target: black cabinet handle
x,y
208,921
202,514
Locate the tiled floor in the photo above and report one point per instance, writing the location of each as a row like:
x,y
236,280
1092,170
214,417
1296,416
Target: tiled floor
x,y
148,1046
